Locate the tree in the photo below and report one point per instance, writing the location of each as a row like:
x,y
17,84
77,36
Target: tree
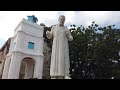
x,y
94,52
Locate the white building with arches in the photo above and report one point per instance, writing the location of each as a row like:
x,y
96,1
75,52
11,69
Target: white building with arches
x,y
25,57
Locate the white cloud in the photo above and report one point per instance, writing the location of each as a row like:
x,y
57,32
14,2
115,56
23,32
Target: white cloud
x,y
10,19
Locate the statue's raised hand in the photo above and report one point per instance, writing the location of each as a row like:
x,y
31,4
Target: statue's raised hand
x,y
47,32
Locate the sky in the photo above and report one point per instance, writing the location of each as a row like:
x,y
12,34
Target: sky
x,y
10,19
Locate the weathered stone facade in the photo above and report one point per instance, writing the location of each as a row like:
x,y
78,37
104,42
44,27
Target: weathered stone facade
x,y
46,65
3,52
46,51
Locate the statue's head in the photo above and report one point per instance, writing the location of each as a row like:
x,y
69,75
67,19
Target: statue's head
x,y
61,20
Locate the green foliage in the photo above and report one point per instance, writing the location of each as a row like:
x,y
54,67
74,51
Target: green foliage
x,y
93,52
93,55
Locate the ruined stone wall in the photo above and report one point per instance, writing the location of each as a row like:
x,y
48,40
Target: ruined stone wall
x,y
3,52
46,65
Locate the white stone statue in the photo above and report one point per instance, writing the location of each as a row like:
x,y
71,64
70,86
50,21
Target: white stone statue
x,y
60,63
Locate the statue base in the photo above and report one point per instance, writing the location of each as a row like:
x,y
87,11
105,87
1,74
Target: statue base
x,y
60,77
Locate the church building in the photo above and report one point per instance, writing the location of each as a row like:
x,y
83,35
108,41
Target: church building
x,y
22,56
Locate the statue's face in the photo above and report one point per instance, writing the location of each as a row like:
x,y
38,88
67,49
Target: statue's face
x,y
61,20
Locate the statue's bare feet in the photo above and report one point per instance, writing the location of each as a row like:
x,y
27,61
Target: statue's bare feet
x,y
67,77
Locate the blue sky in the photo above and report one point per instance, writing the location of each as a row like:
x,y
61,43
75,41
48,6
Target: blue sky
x,y
10,19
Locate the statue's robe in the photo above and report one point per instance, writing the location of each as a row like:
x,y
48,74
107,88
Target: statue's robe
x,y
60,62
